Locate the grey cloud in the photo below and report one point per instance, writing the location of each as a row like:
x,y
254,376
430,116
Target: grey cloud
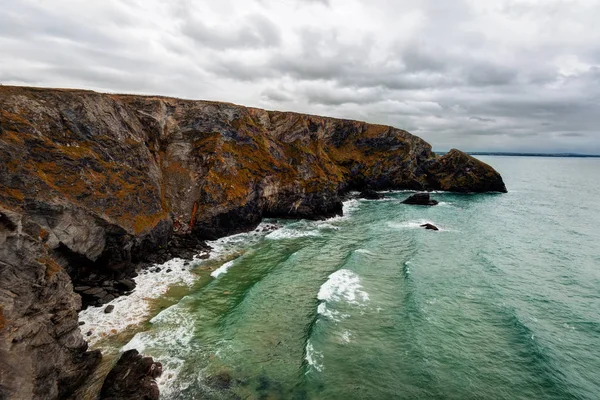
x,y
257,31
324,2
276,95
482,119
486,74
417,58
327,96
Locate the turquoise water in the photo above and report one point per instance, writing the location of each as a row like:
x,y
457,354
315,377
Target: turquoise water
x,y
502,303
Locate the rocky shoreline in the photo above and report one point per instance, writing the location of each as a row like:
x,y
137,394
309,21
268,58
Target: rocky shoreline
x,y
92,186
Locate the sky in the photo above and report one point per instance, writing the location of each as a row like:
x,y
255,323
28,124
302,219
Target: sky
x,y
505,75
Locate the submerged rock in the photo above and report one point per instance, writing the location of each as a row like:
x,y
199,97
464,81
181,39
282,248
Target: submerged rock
x,y
132,378
222,380
421,199
430,226
370,194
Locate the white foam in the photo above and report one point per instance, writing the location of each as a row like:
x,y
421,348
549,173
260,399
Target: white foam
x,y
222,269
350,206
333,315
134,308
322,225
415,224
169,341
364,251
378,200
345,285
313,357
346,335
289,233
230,244
399,191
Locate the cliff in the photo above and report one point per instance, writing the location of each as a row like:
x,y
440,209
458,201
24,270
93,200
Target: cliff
x,y
91,184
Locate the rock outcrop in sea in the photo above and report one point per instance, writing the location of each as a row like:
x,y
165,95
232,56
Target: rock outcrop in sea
x,y
132,378
93,184
420,199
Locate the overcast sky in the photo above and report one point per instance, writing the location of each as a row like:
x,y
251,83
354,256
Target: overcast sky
x,y
519,75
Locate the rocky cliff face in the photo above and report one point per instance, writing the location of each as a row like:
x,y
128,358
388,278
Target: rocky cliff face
x,y
91,184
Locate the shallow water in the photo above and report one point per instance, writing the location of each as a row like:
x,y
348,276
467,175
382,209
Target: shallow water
x,y
502,303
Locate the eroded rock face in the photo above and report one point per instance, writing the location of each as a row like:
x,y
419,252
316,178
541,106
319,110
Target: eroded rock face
x,y
92,184
132,378
42,352
459,172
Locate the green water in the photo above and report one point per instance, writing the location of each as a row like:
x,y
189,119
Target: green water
x,y
502,303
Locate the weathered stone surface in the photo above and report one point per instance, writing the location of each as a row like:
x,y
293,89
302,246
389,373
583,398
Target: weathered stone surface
x,y
42,352
460,172
420,199
132,378
93,184
126,284
370,194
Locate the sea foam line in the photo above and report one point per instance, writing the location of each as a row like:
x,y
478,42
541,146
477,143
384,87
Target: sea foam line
x,y
169,341
345,285
134,308
313,357
290,233
222,269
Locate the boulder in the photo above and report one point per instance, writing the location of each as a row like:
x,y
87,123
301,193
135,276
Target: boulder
x,y
370,194
430,226
132,378
109,309
421,199
126,284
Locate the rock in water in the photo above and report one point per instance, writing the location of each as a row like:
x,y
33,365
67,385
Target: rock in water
x,y
370,194
430,226
109,309
421,199
222,380
132,378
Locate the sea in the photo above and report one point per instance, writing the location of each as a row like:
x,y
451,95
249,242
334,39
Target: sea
x,y
503,302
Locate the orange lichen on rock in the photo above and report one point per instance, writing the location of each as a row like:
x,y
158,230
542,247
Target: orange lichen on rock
x,y
144,223
193,217
3,321
52,267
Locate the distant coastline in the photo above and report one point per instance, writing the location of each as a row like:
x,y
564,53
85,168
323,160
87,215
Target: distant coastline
x,y
501,153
